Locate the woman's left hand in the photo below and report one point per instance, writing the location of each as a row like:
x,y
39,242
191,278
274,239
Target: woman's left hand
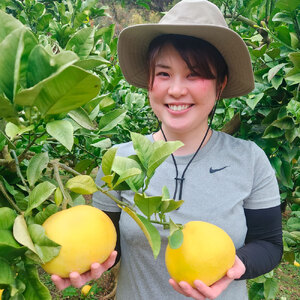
x,y
202,291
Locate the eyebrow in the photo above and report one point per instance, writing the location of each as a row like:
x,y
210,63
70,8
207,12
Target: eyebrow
x,y
163,66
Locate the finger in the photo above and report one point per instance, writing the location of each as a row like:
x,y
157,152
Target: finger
x,y
110,261
213,291
77,280
59,282
176,287
190,291
237,270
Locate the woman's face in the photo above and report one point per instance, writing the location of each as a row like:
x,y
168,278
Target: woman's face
x,y
180,99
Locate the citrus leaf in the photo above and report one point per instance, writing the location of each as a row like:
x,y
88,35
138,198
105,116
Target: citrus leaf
x,y
122,164
35,289
270,288
21,234
147,205
39,194
82,42
103,144
293,224
149,230
160,154
58,196
7,110
43,215
273,71
112,119
8,24
108,160
63,91
80,116
45,248
176,239
143,147
126,175
169,205
36,166
253,101
6,274
82,184
62,131
7,218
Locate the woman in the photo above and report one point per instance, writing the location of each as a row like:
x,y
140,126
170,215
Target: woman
x,y
188,61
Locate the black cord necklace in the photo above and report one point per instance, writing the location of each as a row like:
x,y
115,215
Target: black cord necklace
x,y
181,179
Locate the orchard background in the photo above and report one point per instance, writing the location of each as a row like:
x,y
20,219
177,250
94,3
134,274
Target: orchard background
x,y
64,103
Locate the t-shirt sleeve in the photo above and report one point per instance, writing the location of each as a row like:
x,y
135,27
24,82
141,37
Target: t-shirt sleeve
x,y
102,201
265,190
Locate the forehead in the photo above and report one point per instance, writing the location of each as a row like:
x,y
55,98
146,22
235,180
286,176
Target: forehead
x,y
168,55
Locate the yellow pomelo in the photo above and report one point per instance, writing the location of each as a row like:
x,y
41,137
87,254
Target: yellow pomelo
x,y
86,235
207,252
1,291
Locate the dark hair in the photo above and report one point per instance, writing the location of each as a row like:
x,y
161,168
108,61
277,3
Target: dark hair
x,y
200,56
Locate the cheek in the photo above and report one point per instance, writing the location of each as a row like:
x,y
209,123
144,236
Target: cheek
x,y
206,87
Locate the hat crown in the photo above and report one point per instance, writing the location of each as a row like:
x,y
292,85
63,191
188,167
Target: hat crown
x,y
194,12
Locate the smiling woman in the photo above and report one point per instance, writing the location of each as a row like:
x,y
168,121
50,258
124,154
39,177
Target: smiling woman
x,y
188,61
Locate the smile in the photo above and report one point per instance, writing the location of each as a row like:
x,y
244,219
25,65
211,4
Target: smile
x,y
179,107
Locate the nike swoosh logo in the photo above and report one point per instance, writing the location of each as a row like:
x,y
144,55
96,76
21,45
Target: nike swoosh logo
x,y
211,170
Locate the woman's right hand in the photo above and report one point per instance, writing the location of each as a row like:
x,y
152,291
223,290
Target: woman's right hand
x,y
78,280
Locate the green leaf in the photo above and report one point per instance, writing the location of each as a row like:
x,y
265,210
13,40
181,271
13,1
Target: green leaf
x,y
82,184
6,274
41,64
8,24
149,230
21,234
43,215
112,119
122,164
36,165
92,62
272,72
126,175
147,205
7,218
283,17
252,100
259,51
270,288
292,134
39,194
284,123
176,239
63,91
293,224
272,132
103,144
108,160
107,104
256,291
283,34
82,42
81,117
7,110
169,205
288,5
35,289
45,248
143,148
62,131
160,154
286,174
276,81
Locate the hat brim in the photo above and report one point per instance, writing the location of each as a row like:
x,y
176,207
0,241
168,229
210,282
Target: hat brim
x,y
134,41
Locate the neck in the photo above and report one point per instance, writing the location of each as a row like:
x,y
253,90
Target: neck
x,y
190,140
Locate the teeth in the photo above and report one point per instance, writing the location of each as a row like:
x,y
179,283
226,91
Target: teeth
x,y
178,107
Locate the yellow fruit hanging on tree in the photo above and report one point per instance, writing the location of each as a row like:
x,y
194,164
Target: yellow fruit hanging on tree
x,y
207,253
86,235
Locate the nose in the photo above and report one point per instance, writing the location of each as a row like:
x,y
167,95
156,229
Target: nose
x,y
177,88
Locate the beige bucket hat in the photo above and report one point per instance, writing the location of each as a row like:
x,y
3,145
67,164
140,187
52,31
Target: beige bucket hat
x,y
197,18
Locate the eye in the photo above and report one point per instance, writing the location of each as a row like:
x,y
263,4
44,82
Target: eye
x,y
193,75
162,74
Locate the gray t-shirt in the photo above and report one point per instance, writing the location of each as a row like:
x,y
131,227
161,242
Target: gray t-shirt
x,y
247,181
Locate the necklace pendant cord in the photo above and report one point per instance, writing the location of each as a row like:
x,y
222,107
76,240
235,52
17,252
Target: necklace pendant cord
x,y
181,179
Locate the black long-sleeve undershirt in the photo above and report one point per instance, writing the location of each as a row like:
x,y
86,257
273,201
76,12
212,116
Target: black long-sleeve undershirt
x,y
263,247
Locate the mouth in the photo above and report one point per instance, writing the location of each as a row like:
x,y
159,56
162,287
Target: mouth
x,y
179,107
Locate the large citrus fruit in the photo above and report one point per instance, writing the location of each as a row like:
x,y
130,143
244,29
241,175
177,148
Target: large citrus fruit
x,y
207,252
86,235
